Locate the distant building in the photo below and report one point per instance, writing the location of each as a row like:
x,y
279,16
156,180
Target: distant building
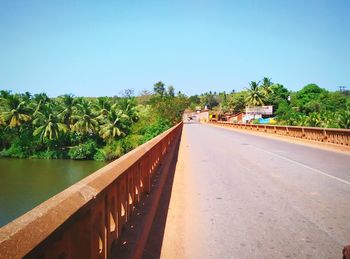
x,y
259,110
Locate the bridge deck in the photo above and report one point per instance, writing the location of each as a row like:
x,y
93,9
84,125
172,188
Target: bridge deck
x,y
241,196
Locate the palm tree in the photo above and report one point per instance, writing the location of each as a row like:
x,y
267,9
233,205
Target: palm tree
x,y
114,125
67,106
130,109
102,106
50,126
255,95
41,98
4,94
14,111
266,86
84,118
314,120
344,119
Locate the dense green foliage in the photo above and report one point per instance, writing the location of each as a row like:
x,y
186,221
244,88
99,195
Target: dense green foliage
x,y
71,127
105,128
311,106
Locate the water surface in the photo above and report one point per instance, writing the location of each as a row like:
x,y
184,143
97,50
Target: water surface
x,y
25,183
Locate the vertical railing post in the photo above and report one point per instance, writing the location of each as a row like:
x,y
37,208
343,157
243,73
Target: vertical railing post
x,y
87,219
146,167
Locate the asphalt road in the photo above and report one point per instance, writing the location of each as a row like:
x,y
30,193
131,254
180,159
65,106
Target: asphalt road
x,y
237,195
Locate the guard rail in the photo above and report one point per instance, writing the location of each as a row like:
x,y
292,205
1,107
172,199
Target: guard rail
x,y
86,219
327,135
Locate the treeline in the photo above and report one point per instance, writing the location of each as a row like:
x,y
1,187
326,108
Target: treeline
x,y
69,127
105,128
311,106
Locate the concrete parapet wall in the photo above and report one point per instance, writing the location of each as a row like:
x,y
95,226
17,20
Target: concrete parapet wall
x,y
334,136
86,219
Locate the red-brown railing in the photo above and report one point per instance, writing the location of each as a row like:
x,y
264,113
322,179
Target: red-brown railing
x,y
86,219
334,136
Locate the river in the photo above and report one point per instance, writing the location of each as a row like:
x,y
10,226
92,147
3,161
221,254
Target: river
x,y
25,183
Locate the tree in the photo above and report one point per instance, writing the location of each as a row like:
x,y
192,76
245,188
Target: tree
x,y
224,107
255,95
308,99
50,127
128,93
209,99
102,106
279,96
237,101
14,111
343,118
314,120
159,88
41,98
194,99
333,101
169,109
4,94
114,125
67,105
130,109
266,86
171,91
85,118
80,128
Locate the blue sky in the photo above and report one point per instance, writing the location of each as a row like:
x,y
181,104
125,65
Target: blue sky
x,y
97,48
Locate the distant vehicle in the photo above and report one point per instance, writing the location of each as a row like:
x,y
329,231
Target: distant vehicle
x,y
213,117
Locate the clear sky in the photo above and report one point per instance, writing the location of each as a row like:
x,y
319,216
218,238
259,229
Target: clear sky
x,y
96,48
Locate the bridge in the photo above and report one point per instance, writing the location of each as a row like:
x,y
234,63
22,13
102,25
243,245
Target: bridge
x,y
216,190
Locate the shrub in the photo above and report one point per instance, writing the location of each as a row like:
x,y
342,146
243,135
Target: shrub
x,y
50,154
83,151
109,152
155,129
22,146
14,150
130,142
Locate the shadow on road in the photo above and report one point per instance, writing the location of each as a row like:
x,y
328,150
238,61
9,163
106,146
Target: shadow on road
x,y
132,234
155,239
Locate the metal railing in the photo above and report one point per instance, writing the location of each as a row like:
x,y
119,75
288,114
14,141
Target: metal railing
x,y
86,219
327,135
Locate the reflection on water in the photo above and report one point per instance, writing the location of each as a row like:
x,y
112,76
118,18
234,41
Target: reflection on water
x,y
25,183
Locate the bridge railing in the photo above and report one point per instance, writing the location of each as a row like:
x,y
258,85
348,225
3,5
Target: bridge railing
x,y
86,219
327,135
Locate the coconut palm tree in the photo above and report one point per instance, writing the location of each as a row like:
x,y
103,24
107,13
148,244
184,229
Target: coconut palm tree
x,y
67,106
102,106
41,98
266,86
343,118
50,126
114,125
130,109
255,96
47,121
314,119
84,119
14,111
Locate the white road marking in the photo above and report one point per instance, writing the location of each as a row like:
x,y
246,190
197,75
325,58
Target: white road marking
x,y
305,166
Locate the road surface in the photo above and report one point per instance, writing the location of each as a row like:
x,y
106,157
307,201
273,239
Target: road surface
x,y
237,195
